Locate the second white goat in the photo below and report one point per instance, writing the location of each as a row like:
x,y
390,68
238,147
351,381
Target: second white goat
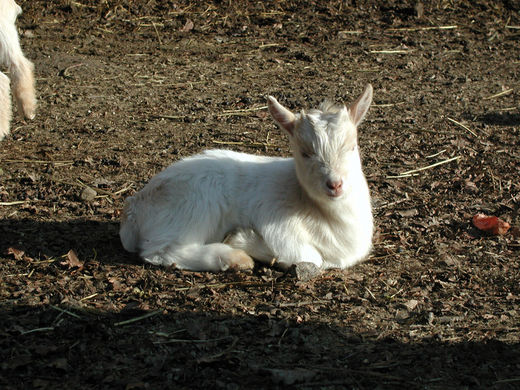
x,y
220,209
20,68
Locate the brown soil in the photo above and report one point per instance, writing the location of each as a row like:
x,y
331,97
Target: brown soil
x,y
126,87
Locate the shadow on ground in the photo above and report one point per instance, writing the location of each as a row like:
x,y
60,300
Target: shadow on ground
x,y
44,240
69,347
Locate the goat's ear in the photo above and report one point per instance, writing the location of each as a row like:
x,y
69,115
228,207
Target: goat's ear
x,y
359,108
281,115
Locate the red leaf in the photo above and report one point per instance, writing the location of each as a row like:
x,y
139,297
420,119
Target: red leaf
x,y
490,224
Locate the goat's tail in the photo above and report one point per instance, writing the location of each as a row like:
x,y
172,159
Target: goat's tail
x,y
128,231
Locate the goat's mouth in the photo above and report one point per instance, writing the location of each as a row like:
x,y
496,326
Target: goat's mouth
x,y
334,194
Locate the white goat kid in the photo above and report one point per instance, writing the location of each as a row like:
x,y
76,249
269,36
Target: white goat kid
x,y
220,209
20,68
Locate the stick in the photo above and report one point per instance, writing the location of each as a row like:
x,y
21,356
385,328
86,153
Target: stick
x,y
157,32
506,92
12,203
463,126
390,51
65,162
223,285
241,112
430,166
88,297
401,176
130,321
436,154
387,105
169,116
172,341
423,28
65,311
38,330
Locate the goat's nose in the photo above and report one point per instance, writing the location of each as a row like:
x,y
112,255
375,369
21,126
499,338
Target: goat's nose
x,y
334,185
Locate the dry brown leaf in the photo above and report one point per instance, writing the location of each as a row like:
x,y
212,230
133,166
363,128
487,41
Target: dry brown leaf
x,y
17,253
188,26
72,260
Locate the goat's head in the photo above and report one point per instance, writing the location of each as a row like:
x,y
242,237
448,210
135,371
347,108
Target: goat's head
x,y
324,144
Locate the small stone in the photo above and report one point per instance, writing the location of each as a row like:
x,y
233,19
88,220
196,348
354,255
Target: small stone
x,y
306,271
88,194
411,304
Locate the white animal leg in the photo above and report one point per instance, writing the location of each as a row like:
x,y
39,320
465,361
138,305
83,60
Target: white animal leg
x,y
23,85
5,105
195,257
252,243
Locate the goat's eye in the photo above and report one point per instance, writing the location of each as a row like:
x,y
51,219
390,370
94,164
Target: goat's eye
x,y
305,155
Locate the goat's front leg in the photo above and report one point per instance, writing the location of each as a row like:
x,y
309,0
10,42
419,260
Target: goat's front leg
x,y
305,253
23,85
5,105
252,243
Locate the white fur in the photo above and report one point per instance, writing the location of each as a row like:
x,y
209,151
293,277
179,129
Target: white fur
x,y
217,209
20,68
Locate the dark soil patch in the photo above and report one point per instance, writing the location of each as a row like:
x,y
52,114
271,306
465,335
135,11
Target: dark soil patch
x,y
126,87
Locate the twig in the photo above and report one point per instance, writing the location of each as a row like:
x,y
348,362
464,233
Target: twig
x,y
65,311
436,154
423,28
169,116
242,111
132,320
13,203
463,126
430,166
268,45
513,27
401,176
371,294
503,93
390,51
510,380
65,71
299,304
173,341
27,161
215,357
45,329
88,297
228,284
387,105
157,32
349,32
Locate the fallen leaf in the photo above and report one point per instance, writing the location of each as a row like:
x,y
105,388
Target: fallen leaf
x,y
188,26
17,253
490,224
408,213
72,260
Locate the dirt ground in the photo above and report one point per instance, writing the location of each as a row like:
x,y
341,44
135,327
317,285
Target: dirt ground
x,y
126,87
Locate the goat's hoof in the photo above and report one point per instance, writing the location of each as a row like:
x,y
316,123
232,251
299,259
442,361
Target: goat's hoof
x,y
240,260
